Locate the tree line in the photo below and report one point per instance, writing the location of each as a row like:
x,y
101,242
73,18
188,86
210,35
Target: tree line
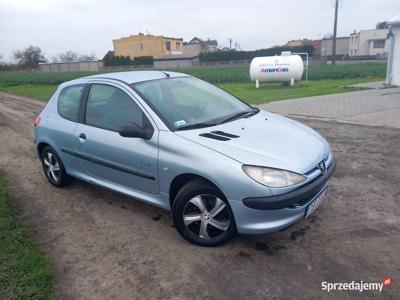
x,y
248,55
114,60
32,56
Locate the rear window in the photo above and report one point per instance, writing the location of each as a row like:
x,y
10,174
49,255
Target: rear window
x,y
69,102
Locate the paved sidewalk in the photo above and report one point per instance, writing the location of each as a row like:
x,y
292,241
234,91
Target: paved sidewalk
x,y
370,85
379,107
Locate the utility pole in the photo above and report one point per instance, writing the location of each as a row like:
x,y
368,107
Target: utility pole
x,y
334,33
230,44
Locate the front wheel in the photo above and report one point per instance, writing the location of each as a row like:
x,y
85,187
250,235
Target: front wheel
x,y
202,215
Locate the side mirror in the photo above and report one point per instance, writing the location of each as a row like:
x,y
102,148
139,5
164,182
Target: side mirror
x,y
132,130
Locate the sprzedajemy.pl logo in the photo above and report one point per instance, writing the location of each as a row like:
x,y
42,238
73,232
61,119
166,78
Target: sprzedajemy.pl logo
x,y
360,286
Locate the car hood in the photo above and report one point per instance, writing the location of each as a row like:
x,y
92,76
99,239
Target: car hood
x,y
265,139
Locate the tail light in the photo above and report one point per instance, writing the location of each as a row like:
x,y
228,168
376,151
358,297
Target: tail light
x,y
37,120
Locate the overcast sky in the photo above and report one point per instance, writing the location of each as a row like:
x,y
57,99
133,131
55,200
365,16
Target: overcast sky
x,y
88,26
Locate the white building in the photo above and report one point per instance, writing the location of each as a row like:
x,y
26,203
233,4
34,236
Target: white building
x,y
393,68
369,42
342,46
197,46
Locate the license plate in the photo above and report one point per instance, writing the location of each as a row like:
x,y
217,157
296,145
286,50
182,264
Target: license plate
x,y
316,203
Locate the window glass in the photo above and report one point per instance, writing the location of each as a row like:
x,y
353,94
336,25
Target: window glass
x,y
110,108
69,102
379,44
186,101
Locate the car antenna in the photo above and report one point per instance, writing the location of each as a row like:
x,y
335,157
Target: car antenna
x,y
166,74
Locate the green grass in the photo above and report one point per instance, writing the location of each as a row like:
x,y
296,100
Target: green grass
x,y
210,74
245,91
24,272
273,92
324,79
41,92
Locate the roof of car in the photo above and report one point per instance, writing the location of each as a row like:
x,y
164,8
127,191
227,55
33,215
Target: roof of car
x,y
137,76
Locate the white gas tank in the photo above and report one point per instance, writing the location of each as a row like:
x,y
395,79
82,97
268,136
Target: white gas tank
x,y
283,68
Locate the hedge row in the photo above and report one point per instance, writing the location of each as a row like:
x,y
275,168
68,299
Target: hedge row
x,y
246,55
112,60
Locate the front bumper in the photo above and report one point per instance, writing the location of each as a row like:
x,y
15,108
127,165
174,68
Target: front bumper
x,y
296,198
262,215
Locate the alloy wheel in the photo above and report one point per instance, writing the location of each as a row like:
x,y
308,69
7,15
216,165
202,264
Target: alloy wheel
x,y
206,216
52,167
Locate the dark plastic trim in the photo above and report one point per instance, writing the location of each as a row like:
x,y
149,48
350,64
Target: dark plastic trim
x,y
214,137
229,135
108,164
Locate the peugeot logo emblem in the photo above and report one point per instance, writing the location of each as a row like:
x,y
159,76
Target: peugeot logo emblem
x,y
322,167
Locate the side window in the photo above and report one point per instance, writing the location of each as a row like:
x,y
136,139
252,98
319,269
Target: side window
x,y
69,102
110,108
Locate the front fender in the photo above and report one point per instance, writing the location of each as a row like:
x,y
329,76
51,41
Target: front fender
x,y
178,155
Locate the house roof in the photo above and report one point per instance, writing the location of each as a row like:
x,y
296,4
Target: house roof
x,y
197,40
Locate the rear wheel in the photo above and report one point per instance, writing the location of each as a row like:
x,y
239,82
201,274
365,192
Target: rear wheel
x,y
202,215
54,168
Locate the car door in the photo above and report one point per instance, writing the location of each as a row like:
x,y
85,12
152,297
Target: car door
x,y
103,152
61,122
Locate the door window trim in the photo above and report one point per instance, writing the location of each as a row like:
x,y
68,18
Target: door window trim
x,y
86,92
79,105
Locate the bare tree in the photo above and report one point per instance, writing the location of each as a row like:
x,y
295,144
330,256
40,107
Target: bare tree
x,y
30,56
87,57
70,55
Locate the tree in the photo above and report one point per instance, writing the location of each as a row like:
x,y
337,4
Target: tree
x,y
70,55
30,56
382,25
87,57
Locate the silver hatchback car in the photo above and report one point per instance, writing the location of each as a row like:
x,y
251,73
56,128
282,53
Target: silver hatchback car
x,y
182,144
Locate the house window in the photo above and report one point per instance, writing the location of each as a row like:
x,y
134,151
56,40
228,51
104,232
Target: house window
x,y
141,46
168,45
178,45
379,44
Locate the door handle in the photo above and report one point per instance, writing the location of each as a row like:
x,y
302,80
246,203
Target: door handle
x,y
82,137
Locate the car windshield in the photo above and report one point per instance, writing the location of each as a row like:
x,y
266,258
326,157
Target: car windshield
x,y
188,103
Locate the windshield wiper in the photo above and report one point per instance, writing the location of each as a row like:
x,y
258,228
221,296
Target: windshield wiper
x,y
242,114
196,126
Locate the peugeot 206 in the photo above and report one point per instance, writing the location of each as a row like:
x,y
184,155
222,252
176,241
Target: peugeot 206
x,y
219,165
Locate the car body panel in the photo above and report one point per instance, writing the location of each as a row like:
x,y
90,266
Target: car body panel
x,y
126,161
267,139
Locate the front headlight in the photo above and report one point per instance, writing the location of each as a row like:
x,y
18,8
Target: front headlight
x,y
273,177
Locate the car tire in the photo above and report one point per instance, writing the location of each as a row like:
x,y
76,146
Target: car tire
x,y
53,168
202,214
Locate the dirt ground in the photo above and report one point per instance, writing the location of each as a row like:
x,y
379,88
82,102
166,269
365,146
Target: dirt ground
x,y
106,246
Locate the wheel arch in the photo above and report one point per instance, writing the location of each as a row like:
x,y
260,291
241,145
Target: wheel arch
x,y
180,180
41,146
